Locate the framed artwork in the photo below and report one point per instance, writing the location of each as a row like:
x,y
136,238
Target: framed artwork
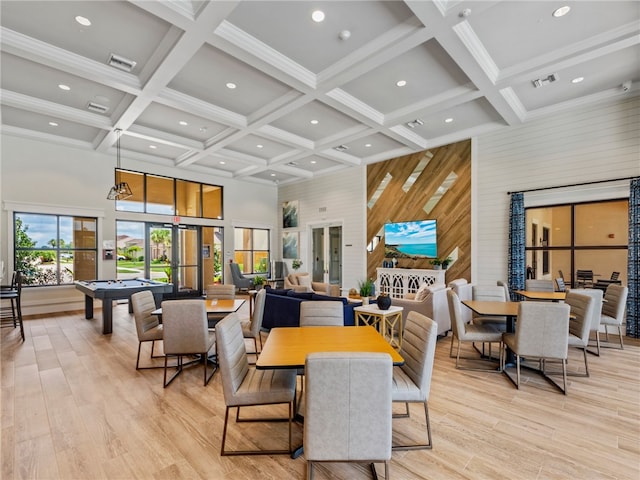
x,y
206,251
290,245
290,214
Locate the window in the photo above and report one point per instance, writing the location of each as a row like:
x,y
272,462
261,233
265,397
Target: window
x,y
170,196
581,236
251,249
55,249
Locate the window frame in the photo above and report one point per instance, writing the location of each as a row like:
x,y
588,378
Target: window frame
x,y
252,251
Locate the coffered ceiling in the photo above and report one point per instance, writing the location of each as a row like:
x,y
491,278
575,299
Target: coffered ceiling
x,y
259,91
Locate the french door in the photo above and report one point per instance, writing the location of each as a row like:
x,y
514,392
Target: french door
x,y
326,250
175,255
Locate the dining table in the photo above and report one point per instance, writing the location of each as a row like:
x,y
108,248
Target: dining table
x,y
509,310
537,295
288,347
216,308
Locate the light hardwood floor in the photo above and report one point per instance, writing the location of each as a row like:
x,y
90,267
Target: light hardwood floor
x,y
74,407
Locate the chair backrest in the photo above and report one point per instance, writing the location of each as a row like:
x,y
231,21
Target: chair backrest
x,y
464,291
489,293
560,274
455,312
615,300
543,329
596,294
348,406
232,355
419,349
258,312
615,275
221,291
185,327
560,285
507,291
584,277
321,313
581,307
143,304
539,285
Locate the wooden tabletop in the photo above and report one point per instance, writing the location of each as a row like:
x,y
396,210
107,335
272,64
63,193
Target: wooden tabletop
x,y
482,307
533,295
288,347
215,306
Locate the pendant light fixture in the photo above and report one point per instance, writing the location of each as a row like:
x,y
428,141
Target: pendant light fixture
x,y
120,190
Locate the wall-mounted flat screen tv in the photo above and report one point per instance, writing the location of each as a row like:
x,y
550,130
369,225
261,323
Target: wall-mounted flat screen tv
x,y
411,239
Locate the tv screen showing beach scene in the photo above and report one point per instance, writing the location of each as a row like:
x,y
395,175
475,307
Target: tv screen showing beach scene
x,y
411,239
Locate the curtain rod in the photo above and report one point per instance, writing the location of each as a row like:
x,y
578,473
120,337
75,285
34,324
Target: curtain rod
x,y
573,185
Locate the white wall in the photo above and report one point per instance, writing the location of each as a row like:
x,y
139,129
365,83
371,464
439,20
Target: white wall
x,y
340,199
598,142
64,178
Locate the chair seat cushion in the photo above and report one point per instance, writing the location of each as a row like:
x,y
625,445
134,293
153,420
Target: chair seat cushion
x,y
403,388
574,341
154,333
482,333
607,320
265,386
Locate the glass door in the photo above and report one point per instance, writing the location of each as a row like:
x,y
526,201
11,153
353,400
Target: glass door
x,y
175,257
327,254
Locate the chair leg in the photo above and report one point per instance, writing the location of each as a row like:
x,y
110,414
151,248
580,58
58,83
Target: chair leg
x,y
620,334
309,470
518,372
429,444
178,370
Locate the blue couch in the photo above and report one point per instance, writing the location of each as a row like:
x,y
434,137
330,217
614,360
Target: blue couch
x,y
282,307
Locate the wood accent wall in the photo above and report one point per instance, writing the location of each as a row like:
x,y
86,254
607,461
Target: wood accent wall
x,y
453,211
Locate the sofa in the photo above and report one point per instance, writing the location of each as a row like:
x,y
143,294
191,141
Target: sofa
x,y
282,307
432,304
301,282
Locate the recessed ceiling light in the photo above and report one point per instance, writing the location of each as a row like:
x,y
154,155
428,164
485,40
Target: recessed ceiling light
x,y
317,16
222,162
448,120
273,174
367,145
231,85
64,87
314,122
53,124
577,80
183,123
259,146
152,147
84,21
562,11
314,161
401,83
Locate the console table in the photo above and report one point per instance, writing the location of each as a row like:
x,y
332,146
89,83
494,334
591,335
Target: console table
x,y
397,282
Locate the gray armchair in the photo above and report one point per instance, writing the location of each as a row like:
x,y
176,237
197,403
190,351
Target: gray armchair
x,y
239,280
433,305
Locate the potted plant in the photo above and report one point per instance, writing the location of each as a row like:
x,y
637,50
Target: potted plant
x,y
259,281
296,264
437,263
366,289
446,262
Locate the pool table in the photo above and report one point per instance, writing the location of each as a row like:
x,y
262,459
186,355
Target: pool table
x,y
109,290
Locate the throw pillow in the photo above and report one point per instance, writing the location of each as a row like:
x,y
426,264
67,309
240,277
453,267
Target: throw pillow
x,y
422,293
305,281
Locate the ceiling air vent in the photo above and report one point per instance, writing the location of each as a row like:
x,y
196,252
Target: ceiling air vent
x,y
541,82
96,107
341,148
415,123
121,62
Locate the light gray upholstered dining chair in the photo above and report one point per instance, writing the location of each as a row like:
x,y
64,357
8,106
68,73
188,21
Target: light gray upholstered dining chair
x,y
594,324
221,291
489,293
348,408
148,326
321,313
535,285
471,333
186,332
244,385
542,333
581,309
613,308
412,380
507,291
251,327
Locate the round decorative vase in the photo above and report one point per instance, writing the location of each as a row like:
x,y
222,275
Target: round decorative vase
x,y
384,302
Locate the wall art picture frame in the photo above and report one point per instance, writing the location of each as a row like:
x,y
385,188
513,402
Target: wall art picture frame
x,y
290,245
290,214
